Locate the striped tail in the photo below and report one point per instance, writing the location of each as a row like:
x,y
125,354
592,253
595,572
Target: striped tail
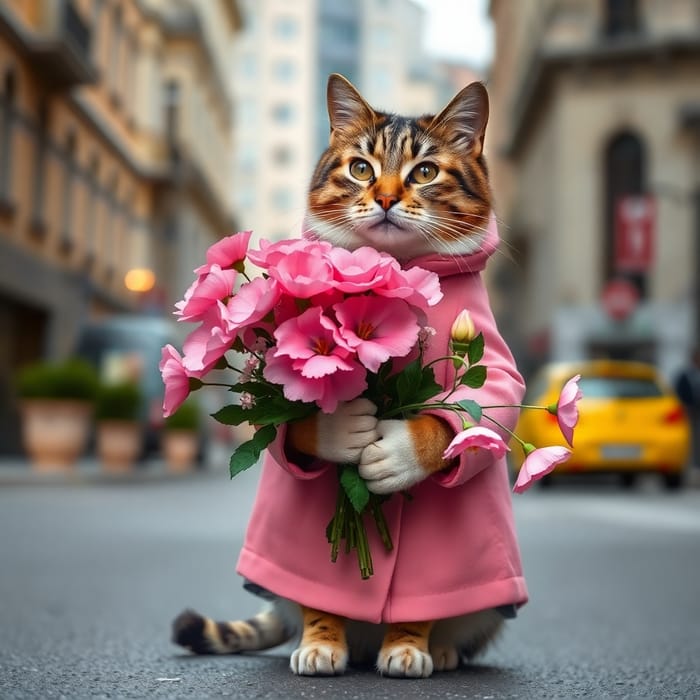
x,y
202,635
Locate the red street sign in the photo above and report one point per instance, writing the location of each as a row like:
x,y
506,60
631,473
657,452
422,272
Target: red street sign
x,y
619,298
635,224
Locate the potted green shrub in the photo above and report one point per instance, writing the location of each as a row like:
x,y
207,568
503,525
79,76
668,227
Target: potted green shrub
x,y
56,406
180,439
119,435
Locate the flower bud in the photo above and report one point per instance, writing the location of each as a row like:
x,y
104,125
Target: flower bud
x,y
463,330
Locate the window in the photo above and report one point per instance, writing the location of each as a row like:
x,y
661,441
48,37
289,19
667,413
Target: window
x,y
282,113
285,27
91,212
282,155
41,141
382,38
115,50
621,17
249,66
625,174
171,108
248,112
67,237
284,70
281,199
7,116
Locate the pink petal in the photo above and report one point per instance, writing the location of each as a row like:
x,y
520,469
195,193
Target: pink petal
x,y
253,301
175,378
377,328
567,410
539,463
476,437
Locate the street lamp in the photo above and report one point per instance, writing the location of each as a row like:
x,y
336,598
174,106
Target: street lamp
x,y
140,279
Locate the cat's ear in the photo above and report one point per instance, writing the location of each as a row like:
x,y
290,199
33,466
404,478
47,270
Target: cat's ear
x,y
465,118
346,107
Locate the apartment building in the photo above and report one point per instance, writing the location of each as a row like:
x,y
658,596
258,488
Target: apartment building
x,y
595,156
283,61
115,147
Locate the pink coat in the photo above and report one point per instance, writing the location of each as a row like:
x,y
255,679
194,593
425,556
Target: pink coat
x,y
455,549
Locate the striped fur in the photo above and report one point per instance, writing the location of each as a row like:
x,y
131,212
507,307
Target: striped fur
x,y
408,186
327,643
391,209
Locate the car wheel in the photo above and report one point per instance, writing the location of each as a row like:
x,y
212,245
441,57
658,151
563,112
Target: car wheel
x,y
672,482
628,480
546,482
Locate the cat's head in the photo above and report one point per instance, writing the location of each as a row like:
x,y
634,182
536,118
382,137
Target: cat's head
x,y
407,186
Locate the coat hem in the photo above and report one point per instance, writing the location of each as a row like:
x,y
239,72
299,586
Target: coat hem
x,y
284,583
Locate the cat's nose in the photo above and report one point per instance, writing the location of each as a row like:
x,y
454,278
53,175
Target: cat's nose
x,y
386,201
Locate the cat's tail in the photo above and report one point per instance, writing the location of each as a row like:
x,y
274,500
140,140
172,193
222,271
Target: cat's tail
x,y
202,635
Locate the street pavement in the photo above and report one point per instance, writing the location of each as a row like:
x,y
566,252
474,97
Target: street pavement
x,y
92,571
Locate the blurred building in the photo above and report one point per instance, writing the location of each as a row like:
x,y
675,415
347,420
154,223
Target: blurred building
x,y
594,149
115,146
283,61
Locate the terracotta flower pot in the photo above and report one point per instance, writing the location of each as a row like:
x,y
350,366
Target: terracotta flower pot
x,y
118,444
55,432
180,449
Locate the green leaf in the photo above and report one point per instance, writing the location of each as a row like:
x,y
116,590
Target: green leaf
x,y
474,377
248,453
476,349
273,410
416,384
354,486
232,414
472,408
408,379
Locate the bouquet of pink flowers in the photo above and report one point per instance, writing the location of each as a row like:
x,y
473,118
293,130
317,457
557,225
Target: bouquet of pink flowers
x,y
323,325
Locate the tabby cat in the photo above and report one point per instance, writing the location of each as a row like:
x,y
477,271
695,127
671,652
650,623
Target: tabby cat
x,y
418,189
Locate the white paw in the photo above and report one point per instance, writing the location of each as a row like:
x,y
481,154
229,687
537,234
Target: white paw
x,y
404,661
319,660
445,658
343,435
390,464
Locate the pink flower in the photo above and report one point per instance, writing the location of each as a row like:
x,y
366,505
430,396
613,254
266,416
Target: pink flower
x,y
360,270
346,381
416,285
303,273
205,292
227,252
270,254
566,410
313,363
539,463
377,328
252,302
476,438
175,378
208,343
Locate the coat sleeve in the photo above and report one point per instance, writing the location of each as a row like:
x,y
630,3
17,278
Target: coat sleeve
x,y
285,461
504,386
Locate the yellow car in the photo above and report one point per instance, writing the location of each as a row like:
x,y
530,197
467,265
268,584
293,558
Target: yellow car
x,y
630,422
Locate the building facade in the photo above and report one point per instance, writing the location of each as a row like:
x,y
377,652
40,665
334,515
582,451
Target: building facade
x,y
115,139
596,109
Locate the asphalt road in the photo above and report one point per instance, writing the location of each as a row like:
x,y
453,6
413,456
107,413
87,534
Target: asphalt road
x,y
92,573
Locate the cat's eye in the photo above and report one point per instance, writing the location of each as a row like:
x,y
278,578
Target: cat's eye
x,y
424,173
361,170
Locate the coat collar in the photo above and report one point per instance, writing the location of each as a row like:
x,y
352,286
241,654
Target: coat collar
x,y
447,265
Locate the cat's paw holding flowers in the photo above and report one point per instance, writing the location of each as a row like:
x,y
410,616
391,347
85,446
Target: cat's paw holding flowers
x,y
406,452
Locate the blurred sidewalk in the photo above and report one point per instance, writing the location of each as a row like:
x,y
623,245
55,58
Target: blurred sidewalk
x,y
17,471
